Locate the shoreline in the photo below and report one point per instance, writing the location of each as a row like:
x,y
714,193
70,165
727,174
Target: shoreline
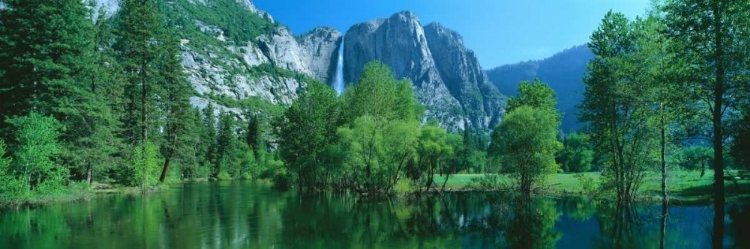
x,y
100,190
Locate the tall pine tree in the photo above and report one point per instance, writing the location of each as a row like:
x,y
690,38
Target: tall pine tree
x,y
45,47
176,104
137,47
53,65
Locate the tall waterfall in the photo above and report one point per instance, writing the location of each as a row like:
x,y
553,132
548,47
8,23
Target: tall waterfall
x,y
338,82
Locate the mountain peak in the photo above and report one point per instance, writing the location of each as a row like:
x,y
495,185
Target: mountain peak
x,y
446,75
405,15
248,4
439,29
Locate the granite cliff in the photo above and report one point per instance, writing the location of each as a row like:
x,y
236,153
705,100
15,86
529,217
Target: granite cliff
x,y
446,75
238,57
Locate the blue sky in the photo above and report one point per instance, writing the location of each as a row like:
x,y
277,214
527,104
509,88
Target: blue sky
x,y
499,31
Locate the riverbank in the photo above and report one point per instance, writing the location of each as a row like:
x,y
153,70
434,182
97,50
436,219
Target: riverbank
x,y
682,186
74,192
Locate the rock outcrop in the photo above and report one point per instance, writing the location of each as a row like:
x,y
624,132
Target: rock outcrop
x,y
248,4
274,65
110,7
322,45
446,75
460,70
281,48
241,71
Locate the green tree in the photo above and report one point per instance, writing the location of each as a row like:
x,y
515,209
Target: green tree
x,y
382,129
526,143
208,145
306,132
44,49
616,106
378,151
176,105
93,136
470,152
34,151
577,155
535,94
378,94
12,187
53,65
712,35
433,151
194,157
660,69
146,165
740,146
93,124
226,142
693,157
462,159
138,48
254,137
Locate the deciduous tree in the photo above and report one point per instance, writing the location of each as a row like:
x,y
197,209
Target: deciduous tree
x,y
526,143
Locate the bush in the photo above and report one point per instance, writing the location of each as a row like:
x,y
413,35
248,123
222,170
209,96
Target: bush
x,y
247,176
34,149
577,156
223,176
282,181
588,186
146,165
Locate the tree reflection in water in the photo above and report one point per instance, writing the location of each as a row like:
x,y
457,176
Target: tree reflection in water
x,y
248,215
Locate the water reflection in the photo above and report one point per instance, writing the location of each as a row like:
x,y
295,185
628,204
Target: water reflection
x,y
248,215
738,226
530,223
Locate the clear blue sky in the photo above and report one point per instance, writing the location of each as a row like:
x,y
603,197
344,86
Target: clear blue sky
x,y
499,31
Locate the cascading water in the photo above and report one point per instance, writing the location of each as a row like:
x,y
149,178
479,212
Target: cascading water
x,y
338,82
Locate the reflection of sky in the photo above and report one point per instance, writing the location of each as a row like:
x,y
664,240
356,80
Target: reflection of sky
x,y
240,214
586,232
687,227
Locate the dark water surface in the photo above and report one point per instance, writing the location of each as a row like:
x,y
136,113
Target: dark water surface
x,y
250,215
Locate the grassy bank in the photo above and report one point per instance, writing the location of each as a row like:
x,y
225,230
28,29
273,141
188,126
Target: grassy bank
x,y
683,186
73,192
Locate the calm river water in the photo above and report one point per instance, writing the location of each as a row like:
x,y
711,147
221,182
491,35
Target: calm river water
x,y
251,215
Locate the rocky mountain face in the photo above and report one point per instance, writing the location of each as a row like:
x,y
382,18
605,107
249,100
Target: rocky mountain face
x,y
322,45
446,75
563,72
272,67
260,64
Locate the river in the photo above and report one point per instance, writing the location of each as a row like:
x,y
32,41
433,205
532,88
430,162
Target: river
x,y
252,215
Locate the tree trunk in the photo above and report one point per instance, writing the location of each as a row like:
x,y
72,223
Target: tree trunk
x,y
664,213
663,157
144,116
165,169
718,236
89,174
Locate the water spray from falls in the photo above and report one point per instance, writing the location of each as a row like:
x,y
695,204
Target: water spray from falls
x,y
338,82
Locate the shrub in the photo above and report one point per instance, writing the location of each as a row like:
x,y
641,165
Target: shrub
x,y
588,186
223,176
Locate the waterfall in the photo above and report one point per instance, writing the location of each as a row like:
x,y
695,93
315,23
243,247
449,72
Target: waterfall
x,y
338,82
